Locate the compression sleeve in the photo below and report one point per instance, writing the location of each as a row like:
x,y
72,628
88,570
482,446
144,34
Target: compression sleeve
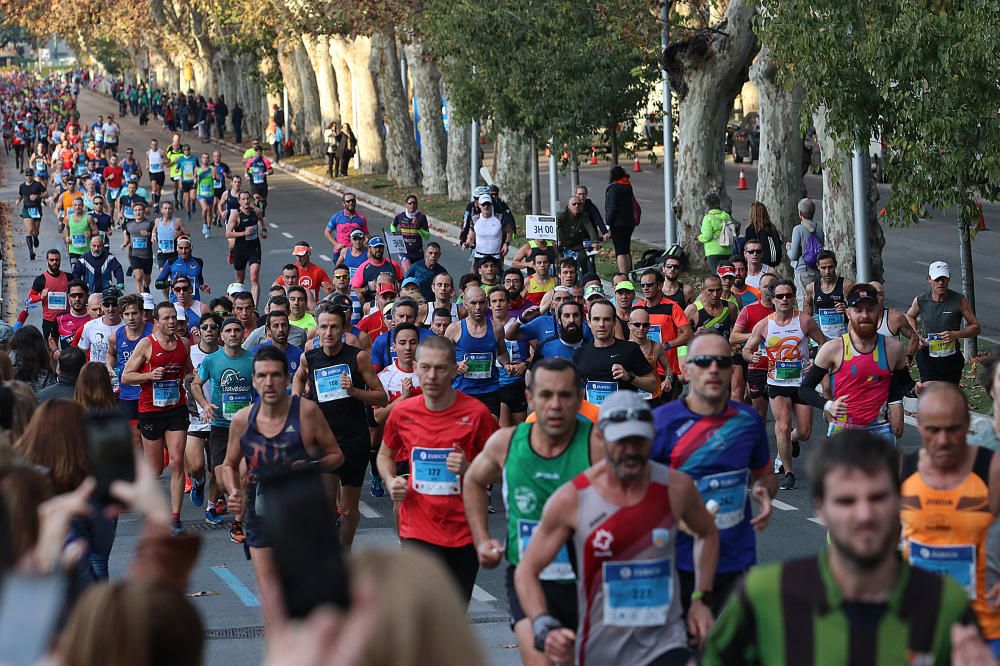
x,y
807,390
900,384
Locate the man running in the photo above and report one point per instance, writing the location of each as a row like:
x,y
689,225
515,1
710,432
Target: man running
x,y
258,168
80,228
666,317
753,250
155,165
749,317
438,432
121,344
246,227
621,517
342,223
187,266
893,324
278,330
166,230
137,240
533,460
280,431
723,446
341,379
196,450
30,197
783,339
158,366
363,282
825,296
68,323
608,364
50,290
411,224
479,345
355,254
311,276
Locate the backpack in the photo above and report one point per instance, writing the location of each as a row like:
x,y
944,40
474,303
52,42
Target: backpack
x,y
727,235
813,246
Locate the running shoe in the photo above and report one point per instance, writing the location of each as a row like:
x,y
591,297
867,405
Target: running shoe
x,y
187,484
221,507
236,533
779,468
176,528
377,489
211,517
205,231
788,483
197,493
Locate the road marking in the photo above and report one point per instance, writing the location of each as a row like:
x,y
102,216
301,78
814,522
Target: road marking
x,y
325,258
922,263
241,590
367,511
273,225
816,520
479,594
287,235
778,504
992,279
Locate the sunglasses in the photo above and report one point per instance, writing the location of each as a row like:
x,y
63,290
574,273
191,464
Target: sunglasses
x,y
782,296
347,201
672,267
78,295
646,285
412,202
752,251
706,360
178,290
223,313
209,327
623,415
638,324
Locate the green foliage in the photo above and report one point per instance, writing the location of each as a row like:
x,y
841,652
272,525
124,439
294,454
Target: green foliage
x,y
555,68
919,73
109,53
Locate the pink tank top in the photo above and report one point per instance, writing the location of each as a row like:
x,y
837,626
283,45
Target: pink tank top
x,y
865,379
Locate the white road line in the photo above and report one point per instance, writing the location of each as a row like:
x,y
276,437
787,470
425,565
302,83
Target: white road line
x,y
273,225
325,258
992,279
922,263
367,511
287,235
816,520
479,594
778,504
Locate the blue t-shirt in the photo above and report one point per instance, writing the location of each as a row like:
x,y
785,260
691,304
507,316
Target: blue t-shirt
x,y
382,355
543,329
717,452
232,383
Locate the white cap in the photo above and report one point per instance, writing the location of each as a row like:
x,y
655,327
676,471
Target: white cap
x,y
181,312
939,269
234,288
485,199
147,301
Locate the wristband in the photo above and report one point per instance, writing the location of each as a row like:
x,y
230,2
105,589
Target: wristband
x,y
827,406
541,626
704,596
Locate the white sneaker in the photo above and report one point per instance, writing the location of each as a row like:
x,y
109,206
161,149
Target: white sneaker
x,y
205,231
778,467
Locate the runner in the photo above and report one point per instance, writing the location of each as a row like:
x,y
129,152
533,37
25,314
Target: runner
x,y
404,311
50,289
97,333
540,282
668,325
205,179
722,445
479,345
277,433
756,373
229,200
31,196
80,228
158,365
438,433
258,168
868,372
342,287
654,353
103,221
950,498
77,315
744,293
187,165
608,364
342,380
138,240
753,250
183,297
363,282
893,324
412,225
783,339
344,222
513,405
220,172
533,461
621,517
246,226
825,296
127,200
710,311
857,602
298,315
278,330
354,254
196,447
673,289
166,230
155,164
311,276
121,344
185,265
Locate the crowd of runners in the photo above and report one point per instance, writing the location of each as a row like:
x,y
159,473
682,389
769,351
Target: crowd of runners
x,y
619,426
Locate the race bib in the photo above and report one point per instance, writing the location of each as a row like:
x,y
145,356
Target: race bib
x,y
654,333
597,392
251,233
883,430
788,371
140,242
560,568
939,348
645,395
165,246
257,175
155,167
959,562
34,213
480,365
41,166
79,240
128,212
728,489
637,594
831,322
234,402
56,300
514,351
187,172
204,189
429,472
327,381
166,393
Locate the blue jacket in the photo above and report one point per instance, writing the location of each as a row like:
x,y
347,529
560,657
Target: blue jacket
x,y
99,272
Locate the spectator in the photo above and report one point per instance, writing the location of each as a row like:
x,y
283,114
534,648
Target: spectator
x,y
53,440
331,137
717,227
760,227
71,362
237,120
221,111
93,389
32,359
804,273
6,367
347,147
24,406
620,208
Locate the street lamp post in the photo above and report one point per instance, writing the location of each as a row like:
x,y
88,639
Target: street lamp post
x,y
860,216
670,230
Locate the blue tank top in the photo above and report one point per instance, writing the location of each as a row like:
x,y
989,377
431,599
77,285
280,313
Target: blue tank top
x,y
480,355
123,351
165,236
279,452
518,352
354,262
128,169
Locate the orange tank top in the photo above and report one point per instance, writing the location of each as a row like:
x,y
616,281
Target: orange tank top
x,y
944,531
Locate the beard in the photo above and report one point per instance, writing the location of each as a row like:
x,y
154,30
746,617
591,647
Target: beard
x,y
571,334
864,330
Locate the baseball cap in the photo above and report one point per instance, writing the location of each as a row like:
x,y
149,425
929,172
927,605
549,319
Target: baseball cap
x,y
625,414
485,199
409,281
861,292
376,241
342,301
589,277
562,289
386,288
593,290
230,320
301,249
181,313
110,294
939,269
147,301
726,270
357,233
234,288
625,285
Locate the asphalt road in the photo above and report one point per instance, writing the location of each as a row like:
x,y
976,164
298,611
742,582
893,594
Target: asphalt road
x,y
222,584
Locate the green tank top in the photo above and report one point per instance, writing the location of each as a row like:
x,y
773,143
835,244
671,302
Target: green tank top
x,y
528,482
79,242
206,184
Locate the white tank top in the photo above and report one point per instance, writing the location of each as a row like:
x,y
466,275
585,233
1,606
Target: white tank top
x,y
883,325
787,349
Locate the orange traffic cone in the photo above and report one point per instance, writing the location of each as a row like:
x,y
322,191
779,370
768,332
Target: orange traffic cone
x,y
635,165
742,184
982,218
593,156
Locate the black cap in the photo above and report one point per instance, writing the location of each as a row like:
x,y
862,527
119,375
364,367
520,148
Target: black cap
x,y
861,292
110,294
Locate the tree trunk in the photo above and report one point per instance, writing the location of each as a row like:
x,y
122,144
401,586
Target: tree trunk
x,y
513,169
613,140
400,145
342,73
311,126
433,141
779,172
290,77
707,71
357,54
318,49
970,346
459,154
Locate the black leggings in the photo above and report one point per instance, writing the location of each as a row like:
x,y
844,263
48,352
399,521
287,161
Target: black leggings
x,y
461,562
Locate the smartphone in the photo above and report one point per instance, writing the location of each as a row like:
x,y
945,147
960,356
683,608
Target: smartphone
x,y
300,525
30,607
112,455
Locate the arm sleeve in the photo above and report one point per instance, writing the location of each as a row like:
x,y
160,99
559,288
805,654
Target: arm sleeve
x,y
807,390
900,384
38,285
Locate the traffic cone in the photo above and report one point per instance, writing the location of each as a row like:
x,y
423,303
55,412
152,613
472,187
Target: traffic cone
x,y
635,165
593,156
982,218
742,184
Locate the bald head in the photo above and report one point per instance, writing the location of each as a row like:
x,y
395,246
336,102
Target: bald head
x,y
936,395
943,422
